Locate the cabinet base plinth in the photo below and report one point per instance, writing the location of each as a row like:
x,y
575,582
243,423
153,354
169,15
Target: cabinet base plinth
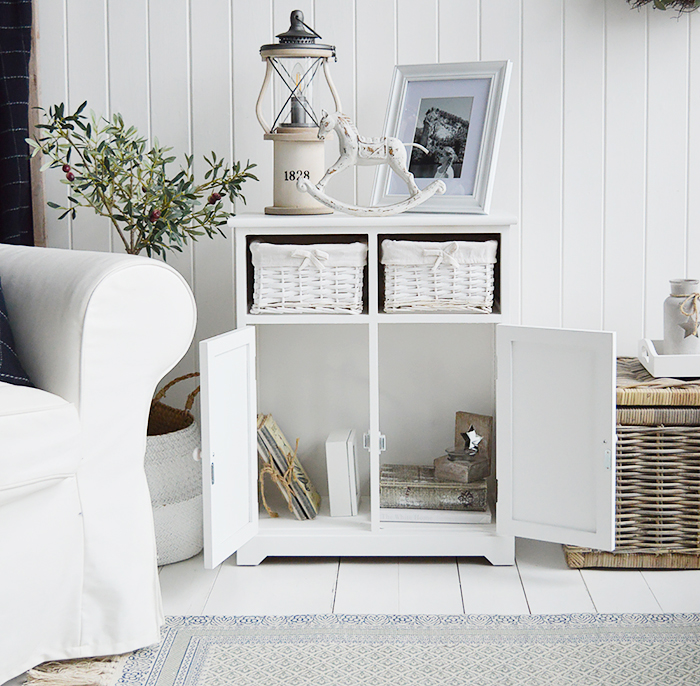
x,y
498,550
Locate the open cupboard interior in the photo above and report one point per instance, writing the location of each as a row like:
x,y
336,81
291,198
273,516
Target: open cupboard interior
x,y
400,378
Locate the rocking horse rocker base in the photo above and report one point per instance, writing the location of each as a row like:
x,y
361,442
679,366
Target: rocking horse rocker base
x,y
436,187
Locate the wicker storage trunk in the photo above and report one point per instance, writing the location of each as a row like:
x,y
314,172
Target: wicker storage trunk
x,y
323,278
454,276
658,475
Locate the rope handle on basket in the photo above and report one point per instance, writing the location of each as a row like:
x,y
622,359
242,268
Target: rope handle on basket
x,y
190,398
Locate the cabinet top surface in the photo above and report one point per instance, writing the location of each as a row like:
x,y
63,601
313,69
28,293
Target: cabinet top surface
x,y
258,220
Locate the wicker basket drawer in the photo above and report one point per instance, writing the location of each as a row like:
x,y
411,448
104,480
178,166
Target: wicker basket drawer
x,y
658,488
317,278
453,276
657,521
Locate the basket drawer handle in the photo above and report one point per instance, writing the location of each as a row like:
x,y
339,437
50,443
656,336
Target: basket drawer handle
x,y
447,254
314,256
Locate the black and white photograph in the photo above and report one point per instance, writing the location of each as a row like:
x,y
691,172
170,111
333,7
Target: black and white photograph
x,y
442,129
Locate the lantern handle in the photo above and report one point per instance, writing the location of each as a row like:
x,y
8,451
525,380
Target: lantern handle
x,y
258,104
308,27
331,86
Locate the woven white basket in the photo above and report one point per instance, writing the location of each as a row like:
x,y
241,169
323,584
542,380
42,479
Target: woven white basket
x,y
454,276
322,278
175,478
175,483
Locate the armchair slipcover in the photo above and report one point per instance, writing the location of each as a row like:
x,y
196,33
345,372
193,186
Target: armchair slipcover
x,y
95,332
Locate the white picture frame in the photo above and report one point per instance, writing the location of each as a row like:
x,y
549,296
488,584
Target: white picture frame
x,y
431,103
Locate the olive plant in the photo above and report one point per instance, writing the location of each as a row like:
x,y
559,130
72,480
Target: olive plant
x,y
110,168
680,5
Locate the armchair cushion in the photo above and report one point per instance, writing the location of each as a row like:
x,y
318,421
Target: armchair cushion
x,y
11,370
40,437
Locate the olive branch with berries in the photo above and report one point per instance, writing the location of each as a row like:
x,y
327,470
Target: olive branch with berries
x,y
108,167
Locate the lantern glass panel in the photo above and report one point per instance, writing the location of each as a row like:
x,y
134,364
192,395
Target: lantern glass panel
x,y
294,92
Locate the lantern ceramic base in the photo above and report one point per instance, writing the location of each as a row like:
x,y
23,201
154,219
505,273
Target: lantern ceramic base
x,y
298,154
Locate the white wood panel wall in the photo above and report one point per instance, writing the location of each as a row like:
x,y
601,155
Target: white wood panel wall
x,y
599,159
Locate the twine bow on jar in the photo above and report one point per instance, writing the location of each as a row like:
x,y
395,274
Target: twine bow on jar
x,y
689,308
447,254
314,257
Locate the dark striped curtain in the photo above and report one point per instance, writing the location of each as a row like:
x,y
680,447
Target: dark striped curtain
x,y
15,183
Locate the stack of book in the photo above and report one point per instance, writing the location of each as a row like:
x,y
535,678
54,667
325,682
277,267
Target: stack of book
x,y
410,493
274,449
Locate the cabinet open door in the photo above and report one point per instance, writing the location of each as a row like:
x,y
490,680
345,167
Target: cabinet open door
x,y
555,419
229,443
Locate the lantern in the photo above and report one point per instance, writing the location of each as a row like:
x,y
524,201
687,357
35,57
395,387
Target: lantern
x,y
296,64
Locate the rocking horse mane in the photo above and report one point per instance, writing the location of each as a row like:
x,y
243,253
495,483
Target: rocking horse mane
x,y
342,121
348,123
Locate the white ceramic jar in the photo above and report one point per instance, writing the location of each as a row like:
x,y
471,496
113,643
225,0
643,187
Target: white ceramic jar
x,y
681,318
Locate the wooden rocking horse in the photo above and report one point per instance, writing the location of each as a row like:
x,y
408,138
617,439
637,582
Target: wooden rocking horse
x,y
357,149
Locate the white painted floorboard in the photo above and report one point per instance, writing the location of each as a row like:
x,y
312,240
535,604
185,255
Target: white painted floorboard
x,y
615,591
676,590
185,586
539,583
551,587
489,590
368,586
429,586
278,586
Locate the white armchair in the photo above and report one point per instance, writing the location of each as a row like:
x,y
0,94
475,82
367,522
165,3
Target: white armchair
x,y
95,332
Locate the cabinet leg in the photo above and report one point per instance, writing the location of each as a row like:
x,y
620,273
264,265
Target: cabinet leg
x,y
248,559
504,554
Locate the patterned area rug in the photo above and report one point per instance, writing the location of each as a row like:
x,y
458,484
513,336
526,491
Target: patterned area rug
x,y
424,650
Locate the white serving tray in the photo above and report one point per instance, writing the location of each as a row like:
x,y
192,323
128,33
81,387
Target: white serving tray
x,y
650,354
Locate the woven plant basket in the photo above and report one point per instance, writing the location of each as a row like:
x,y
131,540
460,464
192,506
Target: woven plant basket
x,y
175,477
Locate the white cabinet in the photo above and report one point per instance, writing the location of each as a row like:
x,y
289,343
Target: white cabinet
x,y
404,376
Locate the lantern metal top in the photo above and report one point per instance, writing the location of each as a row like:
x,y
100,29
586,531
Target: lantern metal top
x,y
298,41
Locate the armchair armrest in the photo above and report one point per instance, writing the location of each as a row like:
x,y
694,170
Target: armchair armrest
x,y
83,319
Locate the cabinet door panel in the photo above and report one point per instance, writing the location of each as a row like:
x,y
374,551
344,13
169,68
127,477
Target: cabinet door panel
x,y
229,443
556,435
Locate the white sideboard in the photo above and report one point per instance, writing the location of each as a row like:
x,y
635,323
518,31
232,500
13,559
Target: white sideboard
x,y
552,392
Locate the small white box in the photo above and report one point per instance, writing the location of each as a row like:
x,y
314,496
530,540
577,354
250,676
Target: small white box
x,y
343,473
650,354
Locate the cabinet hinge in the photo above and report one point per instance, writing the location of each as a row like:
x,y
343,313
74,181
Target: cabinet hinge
x,y
495,491
382,442
212,473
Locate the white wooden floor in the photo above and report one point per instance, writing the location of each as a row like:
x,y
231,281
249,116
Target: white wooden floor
x,y
539,583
